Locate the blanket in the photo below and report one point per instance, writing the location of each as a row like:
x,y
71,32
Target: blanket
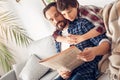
x,y
111,17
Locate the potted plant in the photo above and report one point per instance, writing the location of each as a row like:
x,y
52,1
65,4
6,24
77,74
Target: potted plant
x,y
10,31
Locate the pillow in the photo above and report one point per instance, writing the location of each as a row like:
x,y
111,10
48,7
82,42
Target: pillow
x,y
50,76
43,48
18,68
33,70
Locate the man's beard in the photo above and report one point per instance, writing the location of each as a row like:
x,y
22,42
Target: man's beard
x,y
62,25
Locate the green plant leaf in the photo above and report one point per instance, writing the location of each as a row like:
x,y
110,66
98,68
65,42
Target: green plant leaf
x,y
6,57
10,30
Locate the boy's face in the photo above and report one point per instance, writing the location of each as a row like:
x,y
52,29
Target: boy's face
x,y
70,13
56,18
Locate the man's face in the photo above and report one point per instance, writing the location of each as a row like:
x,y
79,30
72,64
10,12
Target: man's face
x,y
56,18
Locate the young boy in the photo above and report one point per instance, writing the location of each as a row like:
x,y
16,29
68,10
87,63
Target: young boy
x,y
88,12
80,26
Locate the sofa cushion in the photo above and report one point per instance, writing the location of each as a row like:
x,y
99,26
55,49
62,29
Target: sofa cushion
x,y
9,76
50,75
43,48
18,68
33,70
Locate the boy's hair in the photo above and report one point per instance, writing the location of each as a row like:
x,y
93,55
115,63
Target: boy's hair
x,y
48,7
65,4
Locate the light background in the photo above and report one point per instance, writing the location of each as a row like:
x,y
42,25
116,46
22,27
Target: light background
x,y
30,13
35,23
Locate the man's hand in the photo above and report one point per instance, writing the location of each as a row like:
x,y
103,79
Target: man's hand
x,y
88,54
64,74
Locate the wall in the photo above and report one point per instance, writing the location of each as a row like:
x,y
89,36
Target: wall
x,y
36,25
99,3
32,16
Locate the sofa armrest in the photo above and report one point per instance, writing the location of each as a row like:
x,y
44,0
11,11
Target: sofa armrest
x,y
9,76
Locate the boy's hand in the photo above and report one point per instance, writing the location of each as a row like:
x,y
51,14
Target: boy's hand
x,y
71,40
66,39
64,74
77,38
88,54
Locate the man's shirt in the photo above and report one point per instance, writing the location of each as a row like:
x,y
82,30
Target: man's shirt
x,y
91,13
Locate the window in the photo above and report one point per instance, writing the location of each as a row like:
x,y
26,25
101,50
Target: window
x,y
17,0
45,2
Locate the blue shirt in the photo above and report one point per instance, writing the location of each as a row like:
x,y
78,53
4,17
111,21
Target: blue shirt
x,y
78,27
81,26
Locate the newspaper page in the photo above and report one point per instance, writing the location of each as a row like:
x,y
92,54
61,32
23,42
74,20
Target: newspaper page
x,y
65,60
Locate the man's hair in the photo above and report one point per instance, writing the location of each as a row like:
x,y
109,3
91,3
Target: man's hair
x,y
64,4
48,7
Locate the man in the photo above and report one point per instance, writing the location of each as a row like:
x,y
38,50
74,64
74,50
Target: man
x,y
51,13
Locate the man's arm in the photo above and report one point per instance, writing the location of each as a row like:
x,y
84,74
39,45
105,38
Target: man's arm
x,y
89,54
93,16
102,49
93,8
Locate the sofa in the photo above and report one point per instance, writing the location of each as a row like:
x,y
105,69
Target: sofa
x,y
37,50
32,70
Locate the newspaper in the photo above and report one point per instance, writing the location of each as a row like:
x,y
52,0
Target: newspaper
x,y
65,60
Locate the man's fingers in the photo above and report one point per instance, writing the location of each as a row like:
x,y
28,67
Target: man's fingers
x,y
66,75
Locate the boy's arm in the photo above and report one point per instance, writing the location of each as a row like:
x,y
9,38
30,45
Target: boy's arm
x,y
74,39
64,39
90,34
61,39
